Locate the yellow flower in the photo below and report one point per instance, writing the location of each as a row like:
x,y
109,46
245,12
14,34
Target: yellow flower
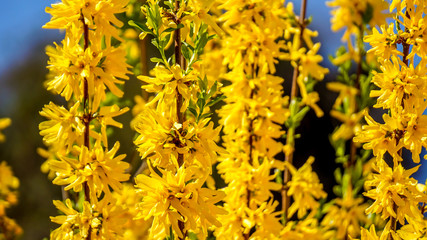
x,y
105,118
267,221
8,186
415,28
64,127
369,235
160,137
415,132
381,138
309,63
103,220
383,44
167,82
266,107
99,169
128,199
414,229
346,215
395,193
98,15
307,228
398,82
71,65
305,188
350,15
10,229
251,43
173,198
4,123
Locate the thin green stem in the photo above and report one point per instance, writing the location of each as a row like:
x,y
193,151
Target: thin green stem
x,y
291,131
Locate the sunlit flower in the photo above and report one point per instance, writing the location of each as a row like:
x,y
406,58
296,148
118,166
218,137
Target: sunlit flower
x,y
99,169
305,189
395,193
174,198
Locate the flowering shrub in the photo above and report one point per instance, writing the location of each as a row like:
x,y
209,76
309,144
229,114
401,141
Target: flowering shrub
x,y
216,126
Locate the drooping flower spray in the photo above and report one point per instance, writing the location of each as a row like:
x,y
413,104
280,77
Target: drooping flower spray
x,y
346,213
258,35
9,184
175,134
252,117
81,69
303,56
400,49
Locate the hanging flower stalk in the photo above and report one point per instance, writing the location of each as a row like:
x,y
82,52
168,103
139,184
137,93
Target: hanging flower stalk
x,y
398,198
346,213
302,54
252,117
81,69
176,136
9,184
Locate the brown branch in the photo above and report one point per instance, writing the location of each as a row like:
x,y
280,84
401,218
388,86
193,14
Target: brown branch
x,y
400,134
393,222
87,115
178,60
406,45
179,101
251,146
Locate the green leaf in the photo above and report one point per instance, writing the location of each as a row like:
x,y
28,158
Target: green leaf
x,y
205,115
279,174
165,40
141,26
203,84
300,115
215,100
192,236
155,42
212,90
337,190
338,175
193,111
345,181
357,172
155,59
200,104
201,39
154,20
358,186
185,51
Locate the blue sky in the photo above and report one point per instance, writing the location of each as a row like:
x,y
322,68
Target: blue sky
x,y
20,29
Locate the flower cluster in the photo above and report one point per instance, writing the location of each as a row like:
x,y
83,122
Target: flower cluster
x,y
345,214
252,117
81,69
9,229
402,93
176,137
257,35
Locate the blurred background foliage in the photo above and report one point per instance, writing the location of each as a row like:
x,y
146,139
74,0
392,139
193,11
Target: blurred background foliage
x,y
22,95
